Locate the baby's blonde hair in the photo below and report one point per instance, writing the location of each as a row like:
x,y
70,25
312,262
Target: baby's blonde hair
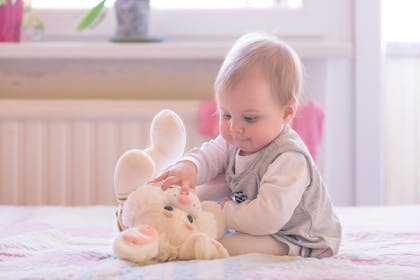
x,y
264,54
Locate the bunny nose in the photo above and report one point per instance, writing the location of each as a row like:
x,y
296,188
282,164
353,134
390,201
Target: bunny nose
x,y
184,198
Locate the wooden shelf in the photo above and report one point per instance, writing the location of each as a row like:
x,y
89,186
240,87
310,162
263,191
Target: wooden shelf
x,y
160,50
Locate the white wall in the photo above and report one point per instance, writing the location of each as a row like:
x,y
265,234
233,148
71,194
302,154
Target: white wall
x,y
354,148
337,88
368,104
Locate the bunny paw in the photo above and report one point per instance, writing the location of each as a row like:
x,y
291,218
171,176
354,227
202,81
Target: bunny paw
x,y
140,235
223,253
137,244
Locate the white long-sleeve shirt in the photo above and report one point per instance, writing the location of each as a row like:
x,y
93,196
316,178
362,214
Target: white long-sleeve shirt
x,y
280,189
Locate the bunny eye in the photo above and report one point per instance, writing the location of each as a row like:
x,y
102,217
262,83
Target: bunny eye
x,y
169,208
190,218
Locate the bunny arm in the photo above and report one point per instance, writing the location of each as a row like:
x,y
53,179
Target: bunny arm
x,y
200,246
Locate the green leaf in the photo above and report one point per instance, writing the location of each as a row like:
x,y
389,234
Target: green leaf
x,y
2,2
91,16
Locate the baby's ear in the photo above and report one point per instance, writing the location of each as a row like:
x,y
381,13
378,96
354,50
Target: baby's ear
x,y
290,110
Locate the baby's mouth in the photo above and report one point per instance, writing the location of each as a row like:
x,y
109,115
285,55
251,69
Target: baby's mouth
x,y
241,140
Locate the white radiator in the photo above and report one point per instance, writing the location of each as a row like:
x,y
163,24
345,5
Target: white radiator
x,y
63,152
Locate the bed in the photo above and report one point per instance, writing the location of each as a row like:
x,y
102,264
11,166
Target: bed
x,y
52,242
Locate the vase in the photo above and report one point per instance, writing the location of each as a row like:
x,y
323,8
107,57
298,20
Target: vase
x,y
11,20
132,21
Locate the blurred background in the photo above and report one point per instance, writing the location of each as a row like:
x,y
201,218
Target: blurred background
x,y
72,101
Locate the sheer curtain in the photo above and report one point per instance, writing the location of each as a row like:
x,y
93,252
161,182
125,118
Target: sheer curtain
x,y
402,89
402,100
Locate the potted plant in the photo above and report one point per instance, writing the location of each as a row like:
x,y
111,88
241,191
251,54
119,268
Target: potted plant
x,y
10,20
132,20
16,15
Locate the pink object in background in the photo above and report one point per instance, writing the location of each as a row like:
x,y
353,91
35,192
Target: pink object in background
x,y
309,124
11,20
208,124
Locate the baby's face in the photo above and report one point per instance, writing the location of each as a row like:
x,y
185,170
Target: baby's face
x,y
250,117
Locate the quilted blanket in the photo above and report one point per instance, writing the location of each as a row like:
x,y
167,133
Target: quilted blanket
x,y
75,243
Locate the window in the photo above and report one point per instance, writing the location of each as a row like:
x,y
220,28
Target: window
x,y
179,4
194,19
400,27
401,21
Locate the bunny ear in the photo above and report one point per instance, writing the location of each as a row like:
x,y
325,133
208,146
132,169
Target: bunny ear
x,y
168,139
134,168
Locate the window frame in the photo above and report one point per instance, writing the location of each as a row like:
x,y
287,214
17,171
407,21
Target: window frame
x,y
198,24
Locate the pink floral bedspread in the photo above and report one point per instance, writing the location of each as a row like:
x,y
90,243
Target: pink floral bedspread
x,y
75,243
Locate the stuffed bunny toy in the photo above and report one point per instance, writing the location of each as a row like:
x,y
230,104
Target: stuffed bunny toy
x,y
159,225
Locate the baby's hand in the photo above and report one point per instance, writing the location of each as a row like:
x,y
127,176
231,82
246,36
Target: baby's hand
x,y
182,173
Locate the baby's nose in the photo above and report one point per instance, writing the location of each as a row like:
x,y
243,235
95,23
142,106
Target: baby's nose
x,y
235,127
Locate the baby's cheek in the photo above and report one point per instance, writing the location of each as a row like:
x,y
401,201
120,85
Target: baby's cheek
x,y
224,131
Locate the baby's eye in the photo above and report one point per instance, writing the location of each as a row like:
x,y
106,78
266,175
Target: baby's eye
x,y
190,218
250,119
226,116
168,208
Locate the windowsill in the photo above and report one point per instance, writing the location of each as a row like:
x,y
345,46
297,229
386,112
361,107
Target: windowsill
x,y
403,49
162,50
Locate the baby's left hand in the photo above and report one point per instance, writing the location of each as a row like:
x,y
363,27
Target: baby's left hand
x,y
223,201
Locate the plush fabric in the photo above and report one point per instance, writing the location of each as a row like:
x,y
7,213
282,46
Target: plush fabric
x,y
169,225
163,225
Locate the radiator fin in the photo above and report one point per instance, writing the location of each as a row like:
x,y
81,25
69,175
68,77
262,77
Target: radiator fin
x,y
69,158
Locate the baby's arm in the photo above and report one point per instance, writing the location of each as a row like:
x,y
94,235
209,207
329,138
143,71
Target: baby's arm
x,y
280,192
197,166
210,159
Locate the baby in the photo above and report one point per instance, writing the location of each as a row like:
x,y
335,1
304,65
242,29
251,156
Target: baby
x,y
279,203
